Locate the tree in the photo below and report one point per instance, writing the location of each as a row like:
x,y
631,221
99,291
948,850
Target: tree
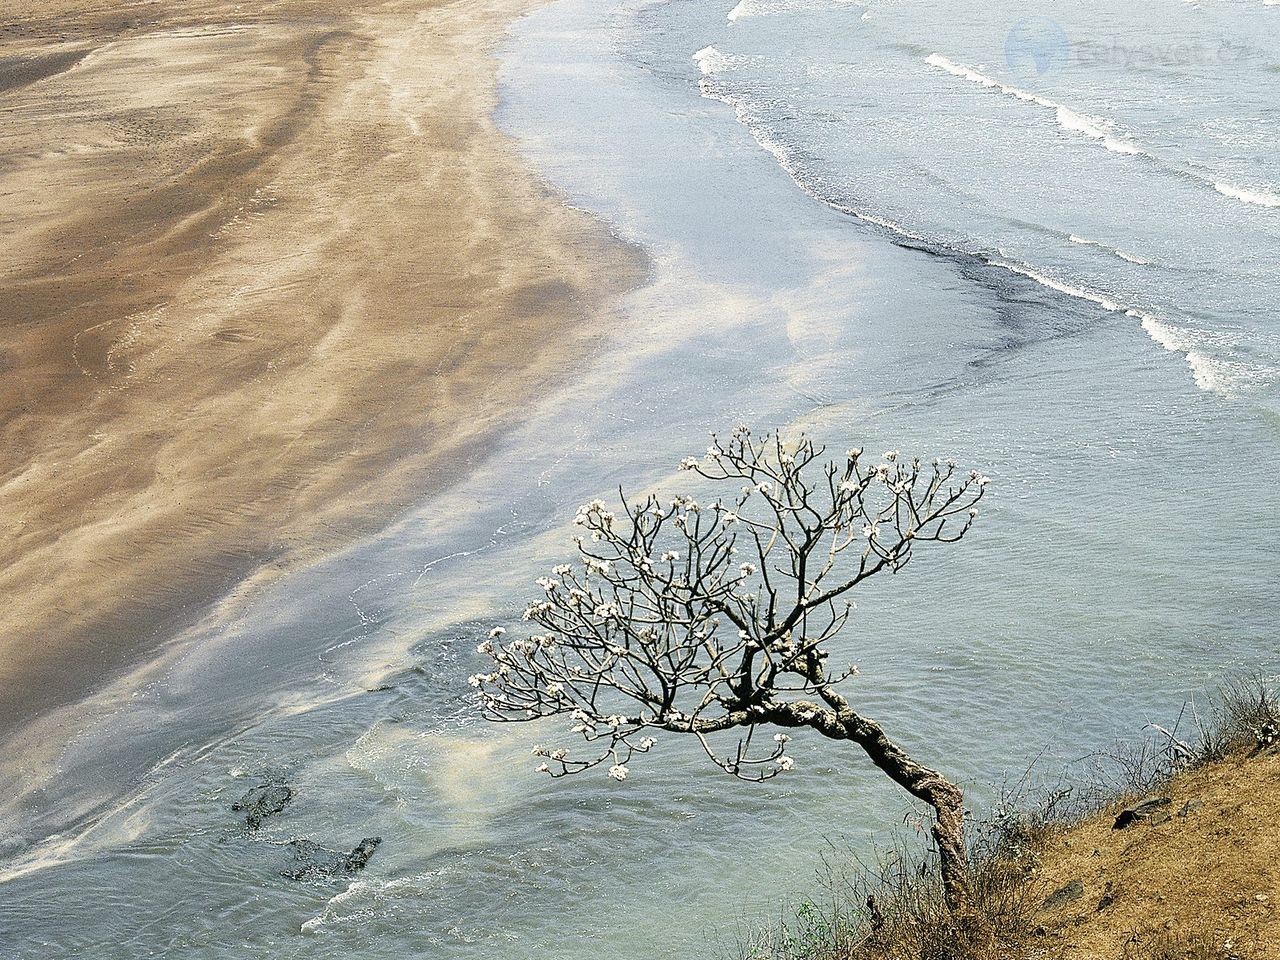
x,y
714,619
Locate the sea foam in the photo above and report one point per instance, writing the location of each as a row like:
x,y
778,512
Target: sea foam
x,y
1213,376
1209,374
1114,251
1258,198
764,8
1095,128
711,61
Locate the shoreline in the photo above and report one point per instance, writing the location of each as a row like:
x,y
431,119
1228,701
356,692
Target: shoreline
x,y
247,239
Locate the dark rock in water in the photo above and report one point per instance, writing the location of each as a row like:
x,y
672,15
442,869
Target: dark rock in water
x,y
1069,894
314,862
264,800
1151,809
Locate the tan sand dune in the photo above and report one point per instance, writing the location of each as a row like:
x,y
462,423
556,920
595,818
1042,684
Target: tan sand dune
x,y
268,274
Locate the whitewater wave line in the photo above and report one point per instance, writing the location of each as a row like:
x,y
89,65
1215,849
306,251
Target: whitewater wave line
x,y
764,8
1260,198
1114,251
1098,129
1208,373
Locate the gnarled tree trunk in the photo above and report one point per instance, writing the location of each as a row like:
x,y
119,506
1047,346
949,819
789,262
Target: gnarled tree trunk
x,y
928,785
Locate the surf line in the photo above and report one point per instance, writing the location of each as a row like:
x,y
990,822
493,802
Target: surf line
x,y
1099,129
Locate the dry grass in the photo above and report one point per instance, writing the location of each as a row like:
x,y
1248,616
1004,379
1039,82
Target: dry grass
x,y
1056,879
1246,718
1178,946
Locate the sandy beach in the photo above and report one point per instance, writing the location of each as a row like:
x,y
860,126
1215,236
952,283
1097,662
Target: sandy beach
x,y
268,274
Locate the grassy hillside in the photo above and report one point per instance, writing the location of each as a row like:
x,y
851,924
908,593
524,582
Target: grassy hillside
x,y
1181,862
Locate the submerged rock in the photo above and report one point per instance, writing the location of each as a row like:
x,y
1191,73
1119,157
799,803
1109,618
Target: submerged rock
x,y
264,800
314,862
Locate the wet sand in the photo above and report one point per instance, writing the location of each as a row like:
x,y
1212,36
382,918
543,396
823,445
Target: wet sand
x,y
268,275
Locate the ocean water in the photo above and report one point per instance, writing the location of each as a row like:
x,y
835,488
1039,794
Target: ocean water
x,y
1047,248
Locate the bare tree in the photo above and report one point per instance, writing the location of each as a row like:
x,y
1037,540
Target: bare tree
x,y
711,618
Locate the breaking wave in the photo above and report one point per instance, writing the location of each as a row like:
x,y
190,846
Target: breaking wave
x,y
764,8
1095,128
1211,373
1099,129
1114,251
1258,198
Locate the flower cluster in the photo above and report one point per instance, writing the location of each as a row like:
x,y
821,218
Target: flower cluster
x,y
704,617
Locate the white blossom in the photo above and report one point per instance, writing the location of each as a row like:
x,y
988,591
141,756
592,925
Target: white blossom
x,y
626,607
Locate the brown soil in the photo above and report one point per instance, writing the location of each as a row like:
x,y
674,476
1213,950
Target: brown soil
x,y
1209,875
